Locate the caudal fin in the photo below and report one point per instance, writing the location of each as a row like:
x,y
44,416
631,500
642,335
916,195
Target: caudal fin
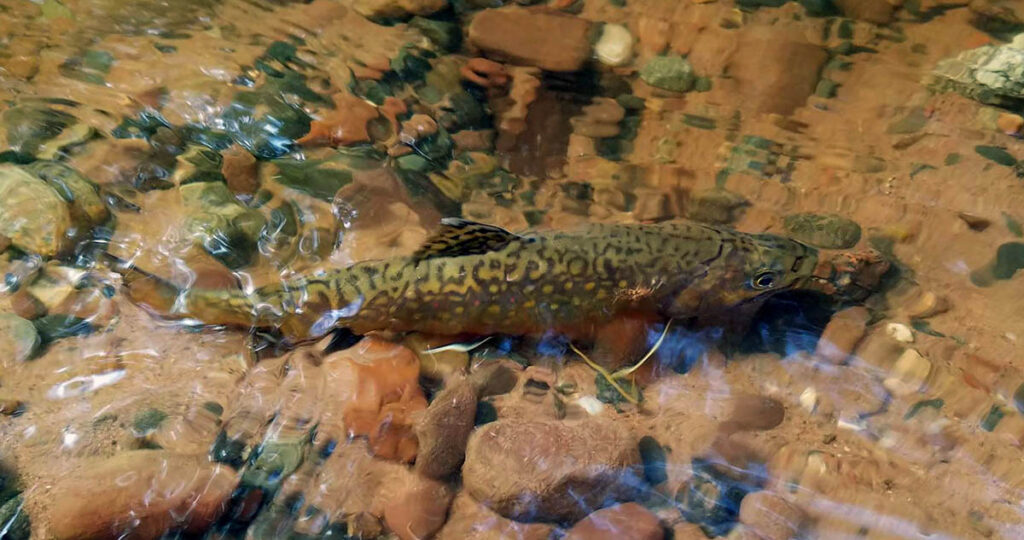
x,y
146,290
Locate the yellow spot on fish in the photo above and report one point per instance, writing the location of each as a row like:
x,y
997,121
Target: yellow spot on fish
x,y
623,283
494,309
547,289
459,309
568,285
493,289
529,304
577,266
589,286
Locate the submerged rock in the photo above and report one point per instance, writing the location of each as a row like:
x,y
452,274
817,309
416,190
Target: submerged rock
x,y
377,388
873,11
716,206
990,74
216,221
712,496
145,492
419,509
14,522
771,517
549,40
628,521
599,120
375,9
444,429
562,471
842,334
777,71
470,519
38,129
828,231
239,169
346,124
18,339
80,194
672,73
32,214
999,17
615,46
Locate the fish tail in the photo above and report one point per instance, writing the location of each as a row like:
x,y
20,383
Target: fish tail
x,y
148,291
302,309
231,307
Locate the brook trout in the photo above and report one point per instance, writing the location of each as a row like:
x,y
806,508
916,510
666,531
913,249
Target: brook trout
x,y
473,278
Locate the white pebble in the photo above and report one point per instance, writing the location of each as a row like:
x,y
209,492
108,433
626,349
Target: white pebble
x,y
889,440
809,399
852,424
900,332
591,404
909,374
615,46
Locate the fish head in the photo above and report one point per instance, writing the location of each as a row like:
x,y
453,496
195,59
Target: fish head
x,y
761,265
751,268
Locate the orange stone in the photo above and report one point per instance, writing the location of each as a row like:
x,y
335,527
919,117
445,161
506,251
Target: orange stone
x,y
376,385
344,125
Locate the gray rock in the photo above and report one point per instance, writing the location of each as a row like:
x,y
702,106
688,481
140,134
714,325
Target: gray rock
x,y
673,73
989,74
828,231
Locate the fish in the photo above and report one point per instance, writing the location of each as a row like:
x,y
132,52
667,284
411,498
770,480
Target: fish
x,y
472,278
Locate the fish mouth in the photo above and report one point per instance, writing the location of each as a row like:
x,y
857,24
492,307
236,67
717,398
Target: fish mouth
x,y
848,275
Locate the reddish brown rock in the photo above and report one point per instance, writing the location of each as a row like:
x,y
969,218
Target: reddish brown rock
x,y
377,389
873,11
470,519
354,487
495,379
1009,123
26,306
419,509
148,492
484,72
344,125
239,170
549,40
771,516
397,8
444,429
776,71
843,332
628,521
561,469
751,412
478,140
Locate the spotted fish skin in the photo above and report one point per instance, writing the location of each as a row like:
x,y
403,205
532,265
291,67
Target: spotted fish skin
x,y
473,278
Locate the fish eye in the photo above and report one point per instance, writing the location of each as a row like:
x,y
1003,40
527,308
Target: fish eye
x,y
764,280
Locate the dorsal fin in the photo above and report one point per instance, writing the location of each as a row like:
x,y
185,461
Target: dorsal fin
x,y
458,237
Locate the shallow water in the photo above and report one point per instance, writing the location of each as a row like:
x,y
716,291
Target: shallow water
x,y
153,148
